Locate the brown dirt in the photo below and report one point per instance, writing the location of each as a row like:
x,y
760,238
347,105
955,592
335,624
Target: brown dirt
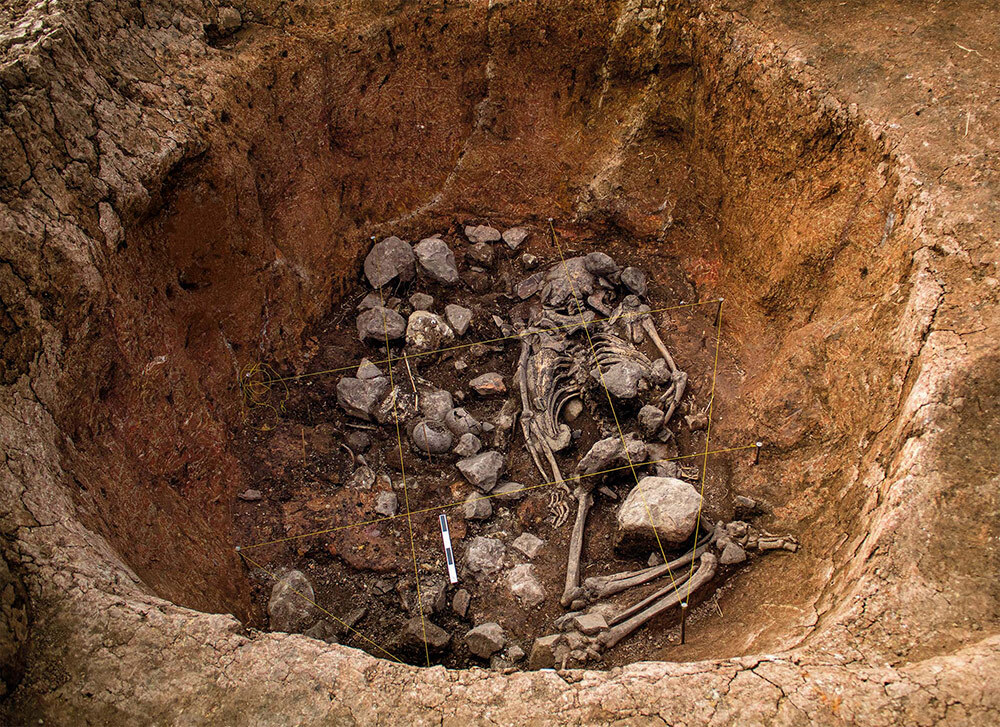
x,y
176,206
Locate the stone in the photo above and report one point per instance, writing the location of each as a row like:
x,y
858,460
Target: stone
x,y
543,652
251,495
528,544
427,332
468,445
514,653
229,20
485,640
481,253
323,631
482,470
489,384
368,370
378,323
635,280
436,260
459,317
529,286
599,264
477,507
389,260
460,602
362,479
650,420
589,624
696,422
732,554
515,236
436,403
431,437
509,491
608,453
399,405
572,409
530,261
360,397
672,505
460,422
659,372
418,629
482,233
288,610
421,301
654,559
387,504
524,584
372,300
433,597
621,379
484,555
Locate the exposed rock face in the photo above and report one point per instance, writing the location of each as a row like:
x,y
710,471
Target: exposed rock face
x,y
389,260
288,609
669,505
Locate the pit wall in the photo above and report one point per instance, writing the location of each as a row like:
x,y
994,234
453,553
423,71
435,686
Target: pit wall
x,y
124,334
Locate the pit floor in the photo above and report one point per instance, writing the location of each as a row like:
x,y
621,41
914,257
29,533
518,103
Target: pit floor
x,y
291,448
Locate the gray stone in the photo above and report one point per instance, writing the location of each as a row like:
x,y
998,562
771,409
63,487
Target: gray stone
x,y
251,495
431,437
485,640
459,317
589,624
489,384
436,260
358,441
482,233
477,507
372,300
515,236
528,544
732,554
288,610
650,420
362,478
621,379
659,372
378,323
323,631
608,453
421,301
433,596
387,504
368,370
229,20
388,260
484,555
672,506
509,491
482,470
427,331
468,445
460,603
360,397
635,280
419,629
543,652
600,264
460,422
436,403
524,584
481,253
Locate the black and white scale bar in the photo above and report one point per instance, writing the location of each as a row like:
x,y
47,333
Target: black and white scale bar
x,y
449,554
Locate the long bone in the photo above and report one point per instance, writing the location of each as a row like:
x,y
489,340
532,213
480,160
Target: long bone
x,y
705,572
600,587
585,500
653,597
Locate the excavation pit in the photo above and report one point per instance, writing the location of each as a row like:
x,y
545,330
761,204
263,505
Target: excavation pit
x,y
227,268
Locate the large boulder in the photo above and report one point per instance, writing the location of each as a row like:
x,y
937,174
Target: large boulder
x,y
388,260
436,260
288,609
669,505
